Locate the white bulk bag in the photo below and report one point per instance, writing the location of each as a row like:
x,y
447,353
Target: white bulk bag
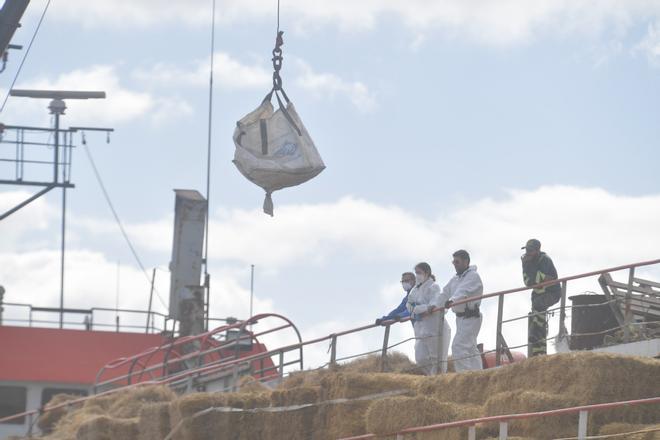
x,y
274,150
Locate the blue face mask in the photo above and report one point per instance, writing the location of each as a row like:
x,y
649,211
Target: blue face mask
x,y
407,285
419,279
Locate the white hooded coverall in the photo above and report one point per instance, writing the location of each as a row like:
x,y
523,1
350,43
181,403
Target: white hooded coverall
x,y
427,328
464,349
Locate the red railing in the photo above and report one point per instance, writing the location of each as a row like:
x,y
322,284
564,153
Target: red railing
x,y
214,367
201,350
505,419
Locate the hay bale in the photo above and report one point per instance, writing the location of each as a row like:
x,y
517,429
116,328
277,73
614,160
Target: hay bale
x,y
50,418
107,428
396,362
352,385
305,378
295,396
154,421
235,424
514,402
585,377
250,384
67,427
390,415
339,420
470,387
128,403
297,424
623,428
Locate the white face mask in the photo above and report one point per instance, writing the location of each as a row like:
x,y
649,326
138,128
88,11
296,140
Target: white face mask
x,y
420,279
407,286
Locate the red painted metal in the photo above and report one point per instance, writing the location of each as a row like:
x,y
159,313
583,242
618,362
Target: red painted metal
x,y
33,354
510,417
488,359
169,358
301,344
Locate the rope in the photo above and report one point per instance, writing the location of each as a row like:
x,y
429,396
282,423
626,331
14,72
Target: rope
x,y
208,162
278,16
27,51
119,223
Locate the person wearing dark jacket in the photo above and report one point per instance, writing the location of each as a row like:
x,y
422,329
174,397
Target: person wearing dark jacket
x,y
538,268
401,312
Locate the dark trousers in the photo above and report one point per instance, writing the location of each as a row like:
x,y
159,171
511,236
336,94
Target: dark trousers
x,y
537,333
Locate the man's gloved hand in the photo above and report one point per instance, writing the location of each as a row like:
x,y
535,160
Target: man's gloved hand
x,y
448,304
379,321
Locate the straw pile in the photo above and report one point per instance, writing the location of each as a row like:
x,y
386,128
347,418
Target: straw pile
x,y
119,406
49,419
107,428
154,421
515,402
328,404
194,426
390,415
625,428
394,363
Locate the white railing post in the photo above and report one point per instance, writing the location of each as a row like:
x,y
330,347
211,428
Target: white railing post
x,y
472,433
582,425
504,430
440,344
399,437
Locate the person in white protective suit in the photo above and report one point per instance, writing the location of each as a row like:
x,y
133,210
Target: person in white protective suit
x,y
423,299
465,284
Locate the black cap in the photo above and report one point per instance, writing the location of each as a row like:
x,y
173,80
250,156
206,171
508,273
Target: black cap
x,y
532,243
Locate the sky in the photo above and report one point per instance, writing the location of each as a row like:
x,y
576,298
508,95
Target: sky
x,y
443,124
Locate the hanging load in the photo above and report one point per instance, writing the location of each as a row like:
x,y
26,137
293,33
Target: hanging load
x,y
273,148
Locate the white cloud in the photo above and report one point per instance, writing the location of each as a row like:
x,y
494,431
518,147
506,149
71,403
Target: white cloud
x,y
650,44
18,230
229,74
583,229
121,104
489,22
232,74
328,85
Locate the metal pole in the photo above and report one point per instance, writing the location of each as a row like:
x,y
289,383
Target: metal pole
x,y
117,296
628,315
56,164
251,290
504,430
207,278
57,113
383,355
151,297
498,334
582,425
440,343
2,294
562,313
333,351
207,285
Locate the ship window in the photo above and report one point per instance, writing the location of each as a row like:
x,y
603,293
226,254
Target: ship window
x,y
48,393
13,400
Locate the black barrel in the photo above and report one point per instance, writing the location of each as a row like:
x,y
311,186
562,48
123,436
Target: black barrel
x,y
594,319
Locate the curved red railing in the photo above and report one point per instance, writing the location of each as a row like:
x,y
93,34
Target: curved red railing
x,y
190,352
